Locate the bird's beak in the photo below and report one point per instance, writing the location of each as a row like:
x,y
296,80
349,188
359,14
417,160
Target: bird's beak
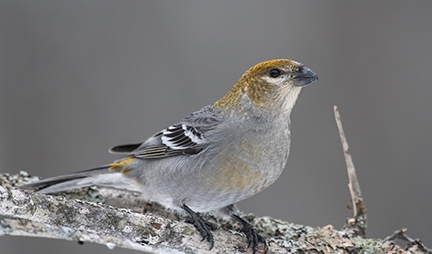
x,y
304,77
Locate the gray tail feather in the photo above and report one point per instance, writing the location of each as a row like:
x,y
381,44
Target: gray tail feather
x,y
71,181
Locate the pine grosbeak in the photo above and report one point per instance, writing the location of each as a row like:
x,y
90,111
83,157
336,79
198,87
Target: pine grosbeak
x,y
215,157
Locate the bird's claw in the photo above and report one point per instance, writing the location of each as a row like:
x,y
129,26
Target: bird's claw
x,y
254,239
204,227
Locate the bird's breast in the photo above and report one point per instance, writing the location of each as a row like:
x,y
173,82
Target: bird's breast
x,y
251,163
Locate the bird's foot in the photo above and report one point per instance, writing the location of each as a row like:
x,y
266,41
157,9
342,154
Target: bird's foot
x,y
201,225
254,239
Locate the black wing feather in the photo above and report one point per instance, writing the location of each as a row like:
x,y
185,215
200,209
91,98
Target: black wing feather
x,y
184,138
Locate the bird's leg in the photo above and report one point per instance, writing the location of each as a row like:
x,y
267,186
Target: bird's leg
x,y
201,225
253,237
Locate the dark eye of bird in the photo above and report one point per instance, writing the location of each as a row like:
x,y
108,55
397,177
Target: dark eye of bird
x,y
274,73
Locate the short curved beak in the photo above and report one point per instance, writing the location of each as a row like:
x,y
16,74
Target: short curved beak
x,y
304,77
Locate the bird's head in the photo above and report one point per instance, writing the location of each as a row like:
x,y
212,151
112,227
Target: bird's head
x,y
271,85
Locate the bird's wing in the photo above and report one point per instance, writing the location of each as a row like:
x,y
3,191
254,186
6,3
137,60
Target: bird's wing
x,y
184,138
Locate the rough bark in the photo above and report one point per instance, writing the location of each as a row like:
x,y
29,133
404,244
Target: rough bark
x,y
96,217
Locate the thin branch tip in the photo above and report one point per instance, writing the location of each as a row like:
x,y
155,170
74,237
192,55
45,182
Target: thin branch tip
x,y
359,223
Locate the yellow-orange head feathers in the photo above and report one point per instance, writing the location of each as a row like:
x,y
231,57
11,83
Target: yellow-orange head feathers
x,y
270,84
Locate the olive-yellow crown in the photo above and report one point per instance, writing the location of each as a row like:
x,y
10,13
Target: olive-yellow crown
x,y
268,84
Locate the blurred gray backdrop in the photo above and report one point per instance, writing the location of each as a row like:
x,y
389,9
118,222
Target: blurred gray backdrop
x,y
77,77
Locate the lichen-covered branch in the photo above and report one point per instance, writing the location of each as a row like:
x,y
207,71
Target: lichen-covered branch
x,y
150,228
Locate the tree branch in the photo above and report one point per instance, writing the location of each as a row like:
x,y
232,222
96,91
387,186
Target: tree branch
x,y
93,215
25,213
358,224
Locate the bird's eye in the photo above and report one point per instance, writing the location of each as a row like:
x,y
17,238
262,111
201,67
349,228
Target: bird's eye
x,y
274,73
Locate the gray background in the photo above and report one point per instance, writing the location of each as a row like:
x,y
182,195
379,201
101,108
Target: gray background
x,y
77,77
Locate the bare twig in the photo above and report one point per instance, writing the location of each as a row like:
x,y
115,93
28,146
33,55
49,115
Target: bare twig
x,y
400,235
358,223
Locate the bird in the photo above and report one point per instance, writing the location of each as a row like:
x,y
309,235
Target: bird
x,y
215,157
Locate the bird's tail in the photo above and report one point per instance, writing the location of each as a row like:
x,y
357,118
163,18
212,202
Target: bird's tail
x,y
99,176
